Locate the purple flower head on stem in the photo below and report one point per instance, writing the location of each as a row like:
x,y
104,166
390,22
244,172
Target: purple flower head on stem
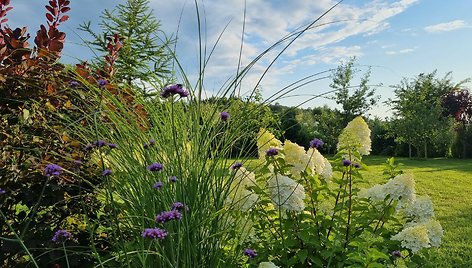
x,y
316,143
236,165
99,143
346,162
174,89
52,170
61,236
107,172
146,146
166,216
102,82
356,165
179,206
272,152
173,179
158,185
154,233
112,145
78,162
155,167
73,84
397,253
2,191
251,253
224,116
152,142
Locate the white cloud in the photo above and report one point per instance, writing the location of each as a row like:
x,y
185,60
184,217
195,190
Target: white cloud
x,y
401,51
446,26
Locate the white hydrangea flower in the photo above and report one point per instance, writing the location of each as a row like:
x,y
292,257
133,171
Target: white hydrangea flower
x,y
267,265
317,161
239,196
327,172
414,237
286,193
403,186
375,193
435,232
265,141
356,135
420,209
296,157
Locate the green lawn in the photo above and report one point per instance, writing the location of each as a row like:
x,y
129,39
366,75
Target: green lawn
x,y
449,183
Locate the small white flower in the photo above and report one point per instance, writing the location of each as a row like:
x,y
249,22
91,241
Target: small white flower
x,y
267,265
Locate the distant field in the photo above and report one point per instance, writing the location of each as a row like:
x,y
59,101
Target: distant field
x,y
449,183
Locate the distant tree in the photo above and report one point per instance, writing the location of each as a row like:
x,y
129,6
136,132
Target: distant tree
x,y
145,48
418,114
354,100
458,104
328,125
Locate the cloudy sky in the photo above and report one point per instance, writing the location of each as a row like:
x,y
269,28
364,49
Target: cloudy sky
x,y
397,38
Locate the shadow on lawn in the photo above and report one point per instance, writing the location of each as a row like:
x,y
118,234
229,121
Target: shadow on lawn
x,y
432,164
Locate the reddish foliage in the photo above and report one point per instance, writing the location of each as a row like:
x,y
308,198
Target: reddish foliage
x,y
458,103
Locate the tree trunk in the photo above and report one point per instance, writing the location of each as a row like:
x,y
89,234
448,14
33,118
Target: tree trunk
x,y
409,150
425,150
464,148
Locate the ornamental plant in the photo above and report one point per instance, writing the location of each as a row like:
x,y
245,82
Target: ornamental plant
x,y
301,210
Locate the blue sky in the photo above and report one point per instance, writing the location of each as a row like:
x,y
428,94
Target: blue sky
x,y
398,38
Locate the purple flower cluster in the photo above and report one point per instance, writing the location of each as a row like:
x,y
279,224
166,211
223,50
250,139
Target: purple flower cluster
x,y
397,253
179,206
174,89
224,116
155,167
107,172
2,191
61,236
272,152
346,162
236,165
251,253
52,170
102,82
173,179
356,165
166,216
154,233
73,84
316,143
99,144
158,185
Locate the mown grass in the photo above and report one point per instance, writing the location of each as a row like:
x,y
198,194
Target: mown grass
x,y
449,184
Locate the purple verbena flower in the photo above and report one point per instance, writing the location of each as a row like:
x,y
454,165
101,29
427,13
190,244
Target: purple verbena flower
x,y
236,165
272,152
107,172
316,143
152,142
251,253
158,185
112,145
179,206
102,82
52,170
171,90
356,165
154,233
346,162
166,216
2,191
78,162
99,143
397,253
61,236
146,146
224,116
173,179
155,167
73,84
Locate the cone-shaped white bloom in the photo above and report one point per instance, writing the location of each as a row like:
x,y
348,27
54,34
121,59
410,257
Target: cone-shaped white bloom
x,y
355,136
